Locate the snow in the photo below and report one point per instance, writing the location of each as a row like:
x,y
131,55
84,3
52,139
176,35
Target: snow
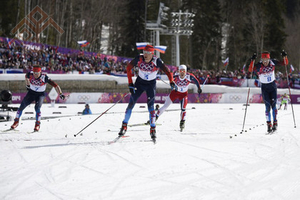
x,y
202,162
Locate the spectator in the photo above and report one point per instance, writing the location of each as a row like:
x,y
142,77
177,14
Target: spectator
x,y
87,110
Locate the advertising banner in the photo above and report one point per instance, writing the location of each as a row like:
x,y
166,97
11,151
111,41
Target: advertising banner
x,y
81,98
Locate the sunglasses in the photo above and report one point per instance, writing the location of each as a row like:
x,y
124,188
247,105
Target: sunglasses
x,y
147,52
265,59
182,70
36,73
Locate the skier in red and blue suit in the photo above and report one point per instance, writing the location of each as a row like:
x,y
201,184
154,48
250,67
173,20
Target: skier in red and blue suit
x,y
265,69
148,66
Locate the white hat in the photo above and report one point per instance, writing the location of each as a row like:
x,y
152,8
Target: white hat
x,y
182,67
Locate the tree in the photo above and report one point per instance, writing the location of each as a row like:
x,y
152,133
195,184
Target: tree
x,y
293,37
275,36
10,14
131,28
206,36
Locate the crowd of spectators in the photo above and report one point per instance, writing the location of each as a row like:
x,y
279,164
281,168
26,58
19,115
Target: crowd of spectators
x,y
22,57
214,77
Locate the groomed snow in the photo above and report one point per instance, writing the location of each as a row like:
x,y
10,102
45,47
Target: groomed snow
x,y
202,162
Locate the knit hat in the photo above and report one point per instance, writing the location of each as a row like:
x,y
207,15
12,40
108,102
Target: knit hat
x,y
182,67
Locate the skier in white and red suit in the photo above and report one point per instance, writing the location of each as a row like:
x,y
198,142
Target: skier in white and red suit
x,y
182,81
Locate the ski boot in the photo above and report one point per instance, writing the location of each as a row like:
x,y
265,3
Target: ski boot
x,y
123,129
153,134
181,125
269,127
37,126
275,124
15,124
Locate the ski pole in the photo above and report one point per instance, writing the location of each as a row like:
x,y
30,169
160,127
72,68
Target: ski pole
x,y
168,84
164,82
246,110
288,82
205,80
101,115
247,100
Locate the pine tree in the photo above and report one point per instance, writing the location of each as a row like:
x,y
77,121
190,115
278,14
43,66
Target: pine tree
x,y
132,28
275,36
206,36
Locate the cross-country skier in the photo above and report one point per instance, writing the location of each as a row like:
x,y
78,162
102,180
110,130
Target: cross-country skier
x,y
284,100
182,81
265,69
36,85
148,66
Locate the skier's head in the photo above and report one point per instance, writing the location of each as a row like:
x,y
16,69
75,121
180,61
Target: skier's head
x,y
36,71
265,54
265,57
148,53
182,67
149,49
182,70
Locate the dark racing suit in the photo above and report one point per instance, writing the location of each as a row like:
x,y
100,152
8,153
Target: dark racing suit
x,y
268,86
146,81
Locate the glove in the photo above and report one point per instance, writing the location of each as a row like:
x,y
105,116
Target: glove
x,y
173,86
199,90
253,56
283,53
131,88
28,87
62,96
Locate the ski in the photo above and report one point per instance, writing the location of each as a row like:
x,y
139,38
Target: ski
x,y
9,130
117,139
142,124
114,140
271,133
154,140
30,132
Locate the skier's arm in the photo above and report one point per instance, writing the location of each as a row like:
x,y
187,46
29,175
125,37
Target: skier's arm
x,y
166,70
251,66
27,81
57,88
284,61
129,68
129,72
195,80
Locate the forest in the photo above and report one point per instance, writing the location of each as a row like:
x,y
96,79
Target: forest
x,y
221,29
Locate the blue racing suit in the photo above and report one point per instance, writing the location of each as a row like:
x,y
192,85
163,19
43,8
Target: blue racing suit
x,y
146,81
268,86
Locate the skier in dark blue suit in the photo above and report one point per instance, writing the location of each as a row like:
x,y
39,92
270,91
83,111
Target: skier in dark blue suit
x,y
36,83
265,69
148,66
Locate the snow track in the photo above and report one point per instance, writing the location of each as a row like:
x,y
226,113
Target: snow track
x,y
202,162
